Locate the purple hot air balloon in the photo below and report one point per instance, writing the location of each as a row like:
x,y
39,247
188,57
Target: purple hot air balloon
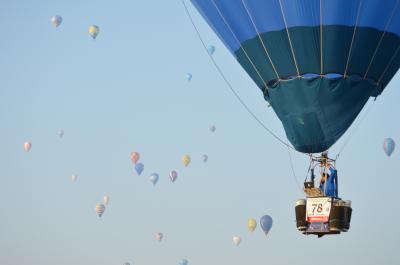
x,y
388,146
139,168
173,175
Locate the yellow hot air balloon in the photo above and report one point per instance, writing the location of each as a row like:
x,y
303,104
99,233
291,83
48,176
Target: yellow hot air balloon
x,y
94,31
186,160
251,224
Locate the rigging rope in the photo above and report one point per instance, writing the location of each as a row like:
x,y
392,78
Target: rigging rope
x,y
241,47
354,131
262,42
381,39
290,40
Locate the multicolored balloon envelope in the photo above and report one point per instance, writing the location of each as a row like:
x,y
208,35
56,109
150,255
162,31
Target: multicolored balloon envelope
x,y
186,160
100,208
316,62
388,146
159,236
94,31
173,175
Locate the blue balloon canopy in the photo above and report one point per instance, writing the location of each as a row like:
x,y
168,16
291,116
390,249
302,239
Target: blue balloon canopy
x,y
266,223
139,168
316,62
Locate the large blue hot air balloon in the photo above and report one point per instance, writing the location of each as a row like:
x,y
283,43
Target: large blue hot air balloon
x,y
317,62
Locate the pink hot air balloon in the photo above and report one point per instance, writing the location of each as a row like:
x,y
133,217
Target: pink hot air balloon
x,y
173,175
135,157
27,146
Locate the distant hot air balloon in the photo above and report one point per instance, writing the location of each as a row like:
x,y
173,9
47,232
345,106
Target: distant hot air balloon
x,y
61,133
183,262
100,208
56,20
186,160
189,76
213,128
159,236
388,146
251,224
154,178
27,146
139,168
266,223
74,178
127,263
236,240
173,175
94,31
135,156
106,199
211,49
205,158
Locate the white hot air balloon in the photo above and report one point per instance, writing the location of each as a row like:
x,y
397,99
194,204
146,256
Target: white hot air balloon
x,y
106,199
159,236
56,20
100,208
27,146
60,133
74,178
236,240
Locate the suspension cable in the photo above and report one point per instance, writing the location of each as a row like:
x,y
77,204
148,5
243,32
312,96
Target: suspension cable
x,y
262,42
293,171
381,39
290,40
355,130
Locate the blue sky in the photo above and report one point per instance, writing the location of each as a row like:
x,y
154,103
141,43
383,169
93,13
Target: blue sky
x,y
126,91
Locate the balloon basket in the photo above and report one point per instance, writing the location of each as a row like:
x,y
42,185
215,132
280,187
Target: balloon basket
x,y
323,215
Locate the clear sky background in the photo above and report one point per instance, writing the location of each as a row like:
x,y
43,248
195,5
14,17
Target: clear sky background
x,y
126,91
